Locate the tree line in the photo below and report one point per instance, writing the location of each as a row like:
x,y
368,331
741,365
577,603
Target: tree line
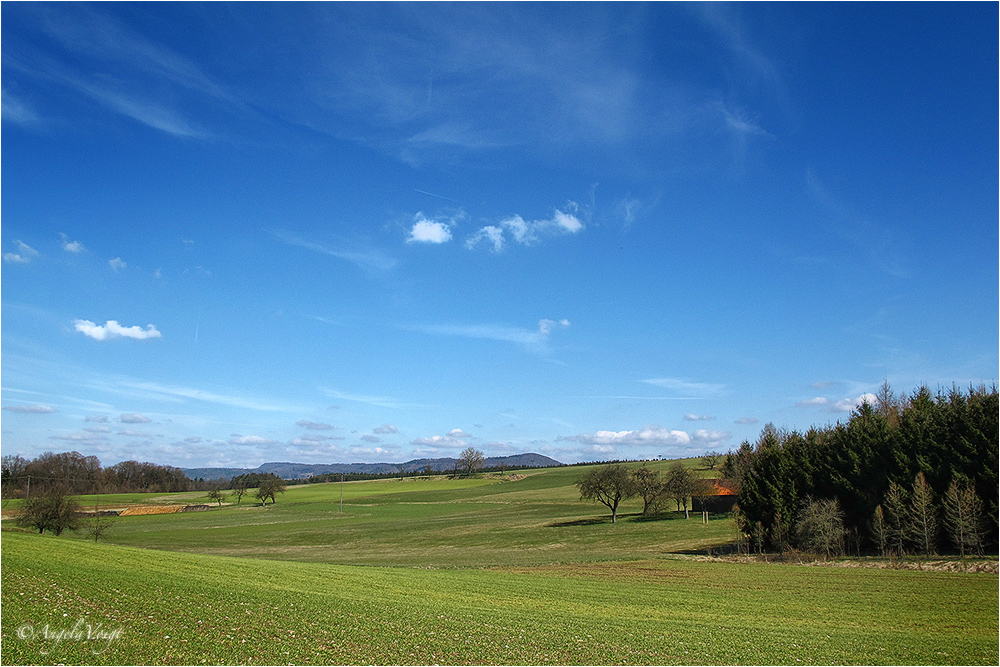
x,y
907,474
77,474
612,483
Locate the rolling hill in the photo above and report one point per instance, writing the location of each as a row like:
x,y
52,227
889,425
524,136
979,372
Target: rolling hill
x,y
302,470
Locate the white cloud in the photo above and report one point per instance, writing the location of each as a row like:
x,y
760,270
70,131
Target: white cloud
x,y
819,400
710,438
314,426
71,246
824,384
693,389
849,404
31,409
237,439
442,441
843,405
100,419
112,330
647,435
527,232
458,433
310,440
374,451
385,429
25,253
691,417
490,234
520,229
425,230
545,327
117,264
81,438
568,222
746,420
133,434
371,438
134,418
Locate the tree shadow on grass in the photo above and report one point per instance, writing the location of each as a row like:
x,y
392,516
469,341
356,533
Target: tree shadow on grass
x,y
592,521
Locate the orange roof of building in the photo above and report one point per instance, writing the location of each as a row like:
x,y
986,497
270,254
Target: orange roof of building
x,y
720,487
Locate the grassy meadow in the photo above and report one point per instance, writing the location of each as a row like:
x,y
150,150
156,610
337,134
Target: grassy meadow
x,y
472,571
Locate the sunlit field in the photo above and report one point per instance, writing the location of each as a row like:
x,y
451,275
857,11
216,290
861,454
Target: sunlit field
x,y
462,571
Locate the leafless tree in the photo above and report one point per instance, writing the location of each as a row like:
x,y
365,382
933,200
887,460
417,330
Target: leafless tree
x,y
470,460
609,485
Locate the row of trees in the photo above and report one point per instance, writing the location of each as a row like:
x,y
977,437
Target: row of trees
x,y
910,474
75,473
612,483
265,485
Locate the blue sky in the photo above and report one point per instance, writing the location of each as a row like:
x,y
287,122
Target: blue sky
x,y
238,233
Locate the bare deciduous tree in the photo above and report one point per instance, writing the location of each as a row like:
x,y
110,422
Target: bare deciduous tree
x,y
879,529
470,460
922,526
54,510
711,459
820,526
609,485
648,486
963,511
269,486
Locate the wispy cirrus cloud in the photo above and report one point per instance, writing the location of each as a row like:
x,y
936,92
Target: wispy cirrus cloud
x,y
371,261
377,401
175,392
139,78
686,388
16,110
535,341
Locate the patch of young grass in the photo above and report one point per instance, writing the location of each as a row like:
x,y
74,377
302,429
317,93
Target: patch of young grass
x,y
437,522
181,608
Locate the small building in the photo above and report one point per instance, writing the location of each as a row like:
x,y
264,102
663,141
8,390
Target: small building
x,y
718,496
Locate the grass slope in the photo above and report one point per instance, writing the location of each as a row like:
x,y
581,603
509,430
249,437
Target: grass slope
x,y
180,608
435,522
497,571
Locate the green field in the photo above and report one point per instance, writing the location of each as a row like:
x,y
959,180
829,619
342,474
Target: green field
x,y
475,571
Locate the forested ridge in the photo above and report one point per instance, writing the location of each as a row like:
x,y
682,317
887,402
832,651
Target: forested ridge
x,y
909,474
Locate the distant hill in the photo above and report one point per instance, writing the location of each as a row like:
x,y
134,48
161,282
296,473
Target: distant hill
x,y
302,470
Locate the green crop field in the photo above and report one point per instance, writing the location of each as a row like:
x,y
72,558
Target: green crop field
x,y
488,570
